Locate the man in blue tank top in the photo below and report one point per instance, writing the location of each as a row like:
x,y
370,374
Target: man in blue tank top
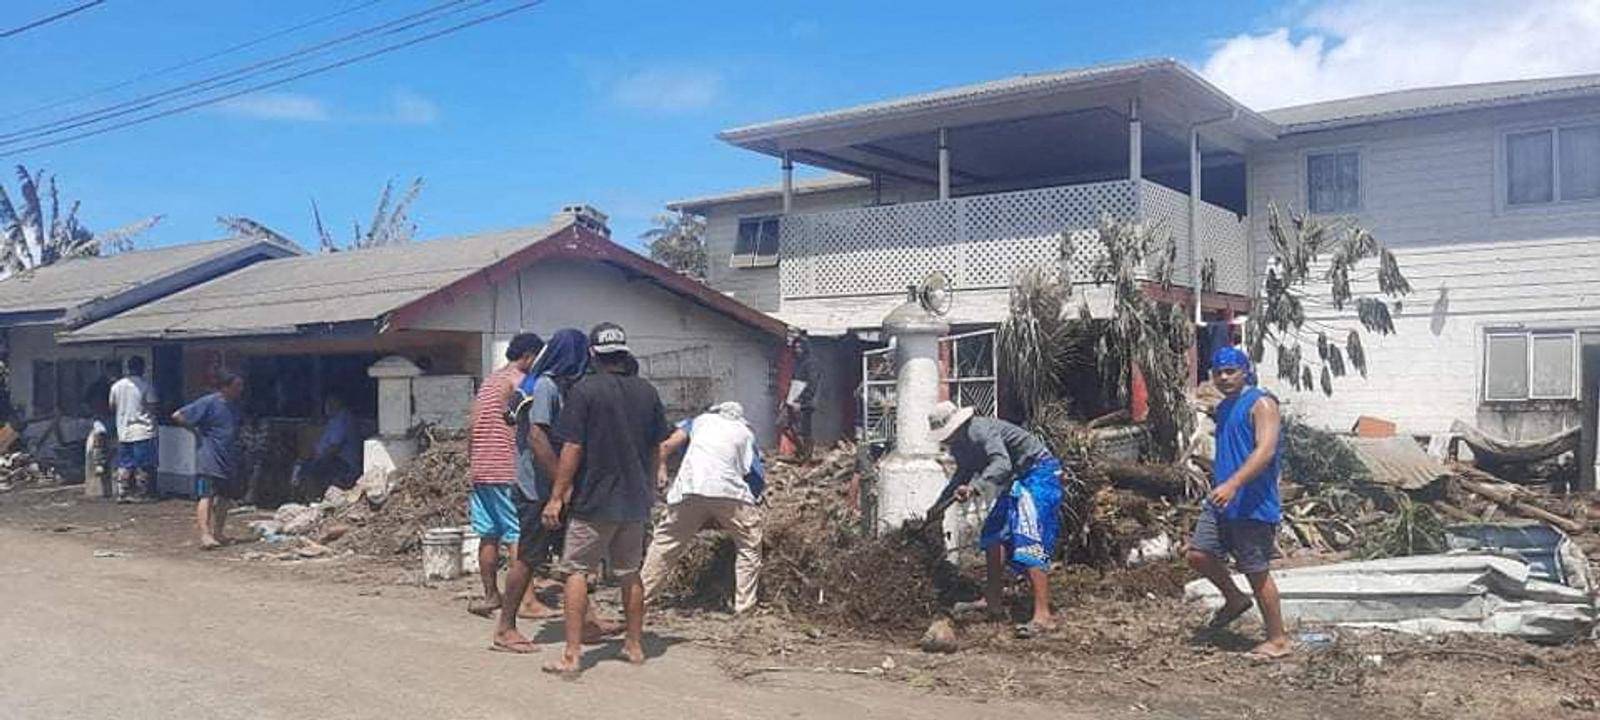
x,y
1241,516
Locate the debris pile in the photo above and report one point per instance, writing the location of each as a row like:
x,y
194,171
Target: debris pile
x,y
821,564
429,491
19,470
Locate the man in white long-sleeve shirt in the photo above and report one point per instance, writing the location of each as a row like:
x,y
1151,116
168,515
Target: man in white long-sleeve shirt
x,y
718,484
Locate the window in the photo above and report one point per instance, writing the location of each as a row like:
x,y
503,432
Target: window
x,y
1530,366
1553,164
1333,182
757,244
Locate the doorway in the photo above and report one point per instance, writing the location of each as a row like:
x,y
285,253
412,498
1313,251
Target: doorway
x,y
1589,402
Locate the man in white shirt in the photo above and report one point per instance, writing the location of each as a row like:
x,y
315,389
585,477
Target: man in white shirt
x,y
718,485
133,402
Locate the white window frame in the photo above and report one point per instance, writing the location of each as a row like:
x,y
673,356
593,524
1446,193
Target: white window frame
x,y
753,259
1502,170
1528,335
1361,177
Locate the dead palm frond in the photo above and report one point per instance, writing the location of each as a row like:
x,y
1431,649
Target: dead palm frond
x,y
37,233
245,228
678,242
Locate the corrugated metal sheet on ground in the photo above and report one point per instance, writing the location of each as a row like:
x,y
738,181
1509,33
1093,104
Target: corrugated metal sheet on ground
x,y
1398,462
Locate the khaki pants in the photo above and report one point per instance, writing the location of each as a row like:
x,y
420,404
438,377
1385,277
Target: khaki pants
x,y
741,521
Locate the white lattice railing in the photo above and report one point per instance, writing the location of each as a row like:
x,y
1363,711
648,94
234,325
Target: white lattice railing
x,y
981,241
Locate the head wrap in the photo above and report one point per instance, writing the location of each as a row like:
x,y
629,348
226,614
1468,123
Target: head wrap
x,y
1228,356
729,410
566,355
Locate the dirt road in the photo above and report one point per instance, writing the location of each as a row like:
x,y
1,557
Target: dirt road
x,y
141,636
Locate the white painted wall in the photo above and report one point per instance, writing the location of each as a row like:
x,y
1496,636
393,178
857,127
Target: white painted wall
x,y
1430,190
557,294
37,342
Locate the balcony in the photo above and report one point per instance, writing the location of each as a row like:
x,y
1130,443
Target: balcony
x,y
982,241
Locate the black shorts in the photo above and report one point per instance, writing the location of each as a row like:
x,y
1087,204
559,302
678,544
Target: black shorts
x,y
537,545
228,488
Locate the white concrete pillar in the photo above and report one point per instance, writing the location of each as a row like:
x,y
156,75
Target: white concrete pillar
x,y
788,183
910,478
944,164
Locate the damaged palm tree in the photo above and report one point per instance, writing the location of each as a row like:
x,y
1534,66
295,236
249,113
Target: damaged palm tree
x,y
1311,251
391,224
37,233
1143,333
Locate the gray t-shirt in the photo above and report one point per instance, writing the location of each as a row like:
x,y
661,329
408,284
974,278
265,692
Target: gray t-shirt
x,y
544,408
995,451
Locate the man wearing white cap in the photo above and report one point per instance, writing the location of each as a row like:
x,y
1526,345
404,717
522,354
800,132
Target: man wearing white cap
x,y
718,485
1021,527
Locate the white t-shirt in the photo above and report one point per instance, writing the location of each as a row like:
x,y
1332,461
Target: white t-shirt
x,y
721,452
131,398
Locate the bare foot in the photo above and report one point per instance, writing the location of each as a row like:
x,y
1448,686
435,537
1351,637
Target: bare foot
x,y
595,633
483,607
1271,650
633,654
566,666
209,543
512,641
1229,612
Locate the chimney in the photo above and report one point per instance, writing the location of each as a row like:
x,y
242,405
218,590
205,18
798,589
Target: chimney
x,y
585,215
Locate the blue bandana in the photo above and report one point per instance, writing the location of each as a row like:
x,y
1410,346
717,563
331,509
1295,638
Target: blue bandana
x,y
1232,357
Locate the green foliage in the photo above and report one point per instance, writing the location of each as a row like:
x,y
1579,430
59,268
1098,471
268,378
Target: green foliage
x,y
1318,459
1278,317
678,242
37,233
1412,529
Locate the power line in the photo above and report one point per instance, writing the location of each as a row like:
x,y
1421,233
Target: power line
x,y
47,20
193,61
235,76
298,76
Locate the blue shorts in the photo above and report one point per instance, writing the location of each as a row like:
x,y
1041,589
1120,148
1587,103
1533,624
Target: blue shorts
x,y
493,513
1252,543
137,455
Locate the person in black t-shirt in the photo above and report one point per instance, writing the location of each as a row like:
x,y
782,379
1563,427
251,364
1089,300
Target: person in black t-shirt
x,y
611,426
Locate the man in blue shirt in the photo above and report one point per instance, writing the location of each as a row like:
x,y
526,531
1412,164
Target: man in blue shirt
x,y
215,420
336,460
1241,515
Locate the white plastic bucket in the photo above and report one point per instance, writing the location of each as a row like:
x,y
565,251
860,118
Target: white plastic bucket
x,y
441,553
469,549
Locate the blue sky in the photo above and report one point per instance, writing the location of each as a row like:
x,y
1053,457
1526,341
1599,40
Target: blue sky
x,y
617,103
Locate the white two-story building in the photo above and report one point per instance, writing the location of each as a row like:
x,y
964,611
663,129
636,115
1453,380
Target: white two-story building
x,y
1489,194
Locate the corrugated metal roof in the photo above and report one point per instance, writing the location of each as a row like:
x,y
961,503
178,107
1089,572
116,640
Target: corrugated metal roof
x,y
831,181
955,96
1398,462
70,283
1418,102
279,296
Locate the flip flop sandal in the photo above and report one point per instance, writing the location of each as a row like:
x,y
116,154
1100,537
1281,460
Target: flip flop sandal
x,y
526,647
482,608
1027,631
1262,658
1225,617
550,668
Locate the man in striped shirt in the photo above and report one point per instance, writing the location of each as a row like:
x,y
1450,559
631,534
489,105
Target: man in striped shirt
x,y
492,452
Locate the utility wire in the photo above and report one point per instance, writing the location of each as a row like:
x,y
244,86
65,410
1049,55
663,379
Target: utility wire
x,y
235,76
47,20
274,83
191,62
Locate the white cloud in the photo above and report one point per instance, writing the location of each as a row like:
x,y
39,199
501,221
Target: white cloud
x,y
668,90
277,106
403,107
410,108
1340,48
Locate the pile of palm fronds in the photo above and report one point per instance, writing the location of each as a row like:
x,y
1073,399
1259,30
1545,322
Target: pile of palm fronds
x,y
1317,458
1411,529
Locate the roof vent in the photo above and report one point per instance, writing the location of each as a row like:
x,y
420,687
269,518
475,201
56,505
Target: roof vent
x,y
585,215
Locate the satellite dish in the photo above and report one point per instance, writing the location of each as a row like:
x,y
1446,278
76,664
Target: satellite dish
x,y
935,294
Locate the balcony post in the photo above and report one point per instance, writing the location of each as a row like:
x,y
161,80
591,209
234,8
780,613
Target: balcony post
x,y
1195,257
1135,144
944,164
788,183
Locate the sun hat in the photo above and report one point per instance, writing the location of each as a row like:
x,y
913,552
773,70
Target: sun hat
x,y
945,419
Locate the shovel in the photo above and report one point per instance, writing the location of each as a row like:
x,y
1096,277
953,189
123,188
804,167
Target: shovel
x,y
933,516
